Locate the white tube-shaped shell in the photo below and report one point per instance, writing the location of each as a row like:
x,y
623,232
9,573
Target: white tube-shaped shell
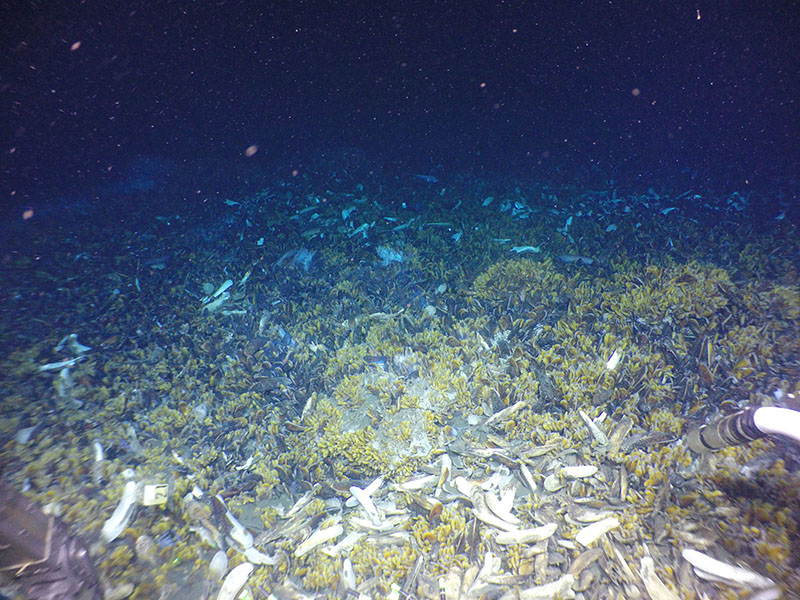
x,y
118,521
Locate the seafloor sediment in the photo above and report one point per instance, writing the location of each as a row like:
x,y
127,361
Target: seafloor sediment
x,y
439,341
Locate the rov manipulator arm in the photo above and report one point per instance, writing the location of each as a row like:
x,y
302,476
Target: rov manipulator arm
x,y
744,426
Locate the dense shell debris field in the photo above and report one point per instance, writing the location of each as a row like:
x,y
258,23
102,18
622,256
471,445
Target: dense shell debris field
x,y
465,389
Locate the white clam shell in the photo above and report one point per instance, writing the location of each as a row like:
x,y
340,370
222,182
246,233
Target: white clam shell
x,y
218,565
319,537
592,533
579,471
707,567
235,581
526,536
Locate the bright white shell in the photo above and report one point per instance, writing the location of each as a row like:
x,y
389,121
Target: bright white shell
x,y
218,565
592,533
235,581
118,521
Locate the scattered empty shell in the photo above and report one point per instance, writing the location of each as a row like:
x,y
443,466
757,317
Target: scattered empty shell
x,y
319,537
146,550
218,565
625,570
582,514
596,432
24,435
623,483
363,498
506,413
386,525
118,521
368,490
450,584
367,504
527,476
463,486
302,502
502,506
526,536
710,568
491,565
584,559
482,512
613,362
444,474
655,587
560,588
579,471
553,483
348,574
235,581
619,434
592,533
416,484
255,556
347,542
